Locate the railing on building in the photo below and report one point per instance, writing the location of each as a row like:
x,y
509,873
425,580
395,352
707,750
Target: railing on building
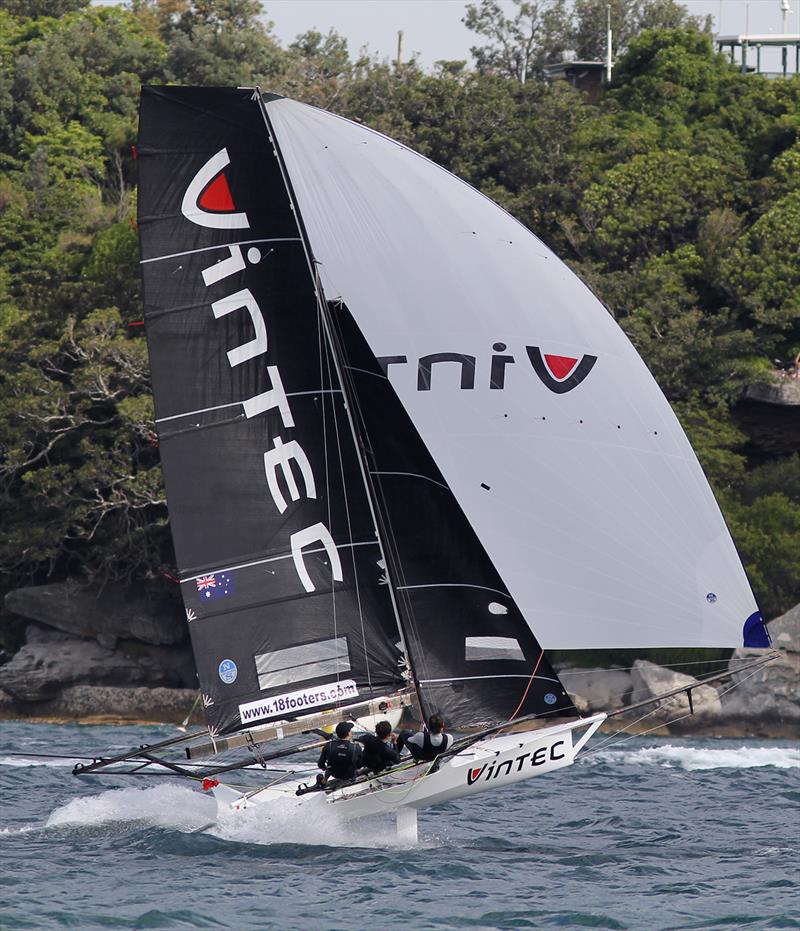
x,y
745,43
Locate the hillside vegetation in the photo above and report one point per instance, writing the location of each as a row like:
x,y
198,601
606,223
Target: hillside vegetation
x,y
677,199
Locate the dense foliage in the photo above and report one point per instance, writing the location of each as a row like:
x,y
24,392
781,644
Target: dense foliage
x,y
676,198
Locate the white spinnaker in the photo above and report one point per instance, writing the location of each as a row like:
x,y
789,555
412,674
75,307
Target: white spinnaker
x,y
597,514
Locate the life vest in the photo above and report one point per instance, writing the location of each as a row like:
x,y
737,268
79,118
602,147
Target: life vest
x,y
429,751
343,758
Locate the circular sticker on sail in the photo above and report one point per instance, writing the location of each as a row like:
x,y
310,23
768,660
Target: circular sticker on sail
x,y
228,671
550,698
711,598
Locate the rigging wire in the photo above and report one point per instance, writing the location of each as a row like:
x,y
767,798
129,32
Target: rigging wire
x,y
611,742
318,286
527,687
724,667
321,342
699,662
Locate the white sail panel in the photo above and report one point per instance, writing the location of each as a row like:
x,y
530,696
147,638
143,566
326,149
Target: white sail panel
x,y
574,473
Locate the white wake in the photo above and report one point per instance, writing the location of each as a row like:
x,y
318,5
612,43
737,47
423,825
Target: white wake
x,y
24,762
694,758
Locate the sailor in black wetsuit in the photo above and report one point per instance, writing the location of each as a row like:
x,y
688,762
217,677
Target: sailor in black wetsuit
x,y
379,752
427,744
340,757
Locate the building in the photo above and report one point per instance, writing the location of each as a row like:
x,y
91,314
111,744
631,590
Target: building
x,y
586,76
782,58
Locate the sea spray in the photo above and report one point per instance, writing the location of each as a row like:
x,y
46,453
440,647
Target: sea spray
x,y
170,806
292,820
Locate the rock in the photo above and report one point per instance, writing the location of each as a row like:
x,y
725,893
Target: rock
x,y
597,689
650,680
52,659
112,703
782,390
107,704
766,698
40,669
582,706
114,613
38,633
166,665
785,630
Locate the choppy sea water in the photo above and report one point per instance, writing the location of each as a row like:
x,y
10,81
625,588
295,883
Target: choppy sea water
x,y
648,834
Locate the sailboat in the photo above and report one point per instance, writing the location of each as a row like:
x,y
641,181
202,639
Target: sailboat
x,y
406,453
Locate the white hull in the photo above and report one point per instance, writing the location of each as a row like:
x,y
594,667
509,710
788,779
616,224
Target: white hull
x,y
487,764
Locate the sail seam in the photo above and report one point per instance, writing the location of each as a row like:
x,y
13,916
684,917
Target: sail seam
x,y
220,407
243,242
355,368
413,475
484,588
204,410
260,562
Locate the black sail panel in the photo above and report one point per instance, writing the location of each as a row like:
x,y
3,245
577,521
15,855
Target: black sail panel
x,y
474,656
276,547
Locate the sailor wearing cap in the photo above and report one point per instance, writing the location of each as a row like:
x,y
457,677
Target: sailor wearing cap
x,y
341,756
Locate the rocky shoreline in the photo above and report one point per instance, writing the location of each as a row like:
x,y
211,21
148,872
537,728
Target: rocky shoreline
x,y
754,703
110,657
123,657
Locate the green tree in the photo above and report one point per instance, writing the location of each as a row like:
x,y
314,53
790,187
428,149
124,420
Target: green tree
x,y
80,487
219,42
763,273
521,46
317,69
767,534
628,19
653,202
40,8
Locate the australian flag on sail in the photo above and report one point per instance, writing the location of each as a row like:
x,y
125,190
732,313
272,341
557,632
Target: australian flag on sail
x,y
212,587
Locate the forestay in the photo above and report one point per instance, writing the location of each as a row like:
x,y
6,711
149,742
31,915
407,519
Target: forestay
x,y
541,418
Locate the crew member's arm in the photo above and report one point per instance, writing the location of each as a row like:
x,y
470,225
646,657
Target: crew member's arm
x,y
415,744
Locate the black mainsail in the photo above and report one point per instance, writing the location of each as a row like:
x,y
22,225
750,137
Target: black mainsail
x,y
280,567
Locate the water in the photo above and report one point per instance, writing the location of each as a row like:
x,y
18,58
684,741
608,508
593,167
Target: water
x,y
651,834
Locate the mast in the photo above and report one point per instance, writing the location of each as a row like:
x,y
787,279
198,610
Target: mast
x,y
349,398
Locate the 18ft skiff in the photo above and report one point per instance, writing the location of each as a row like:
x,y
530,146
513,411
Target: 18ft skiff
x,y
406,452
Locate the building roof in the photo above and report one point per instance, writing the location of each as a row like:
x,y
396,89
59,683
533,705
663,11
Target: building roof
x,y
769,38
563,66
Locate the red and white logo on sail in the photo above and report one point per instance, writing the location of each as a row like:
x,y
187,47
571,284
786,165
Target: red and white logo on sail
x,y
560,373
208,200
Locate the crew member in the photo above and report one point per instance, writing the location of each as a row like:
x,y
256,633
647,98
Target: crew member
x,y
340,757
426,744
379,750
